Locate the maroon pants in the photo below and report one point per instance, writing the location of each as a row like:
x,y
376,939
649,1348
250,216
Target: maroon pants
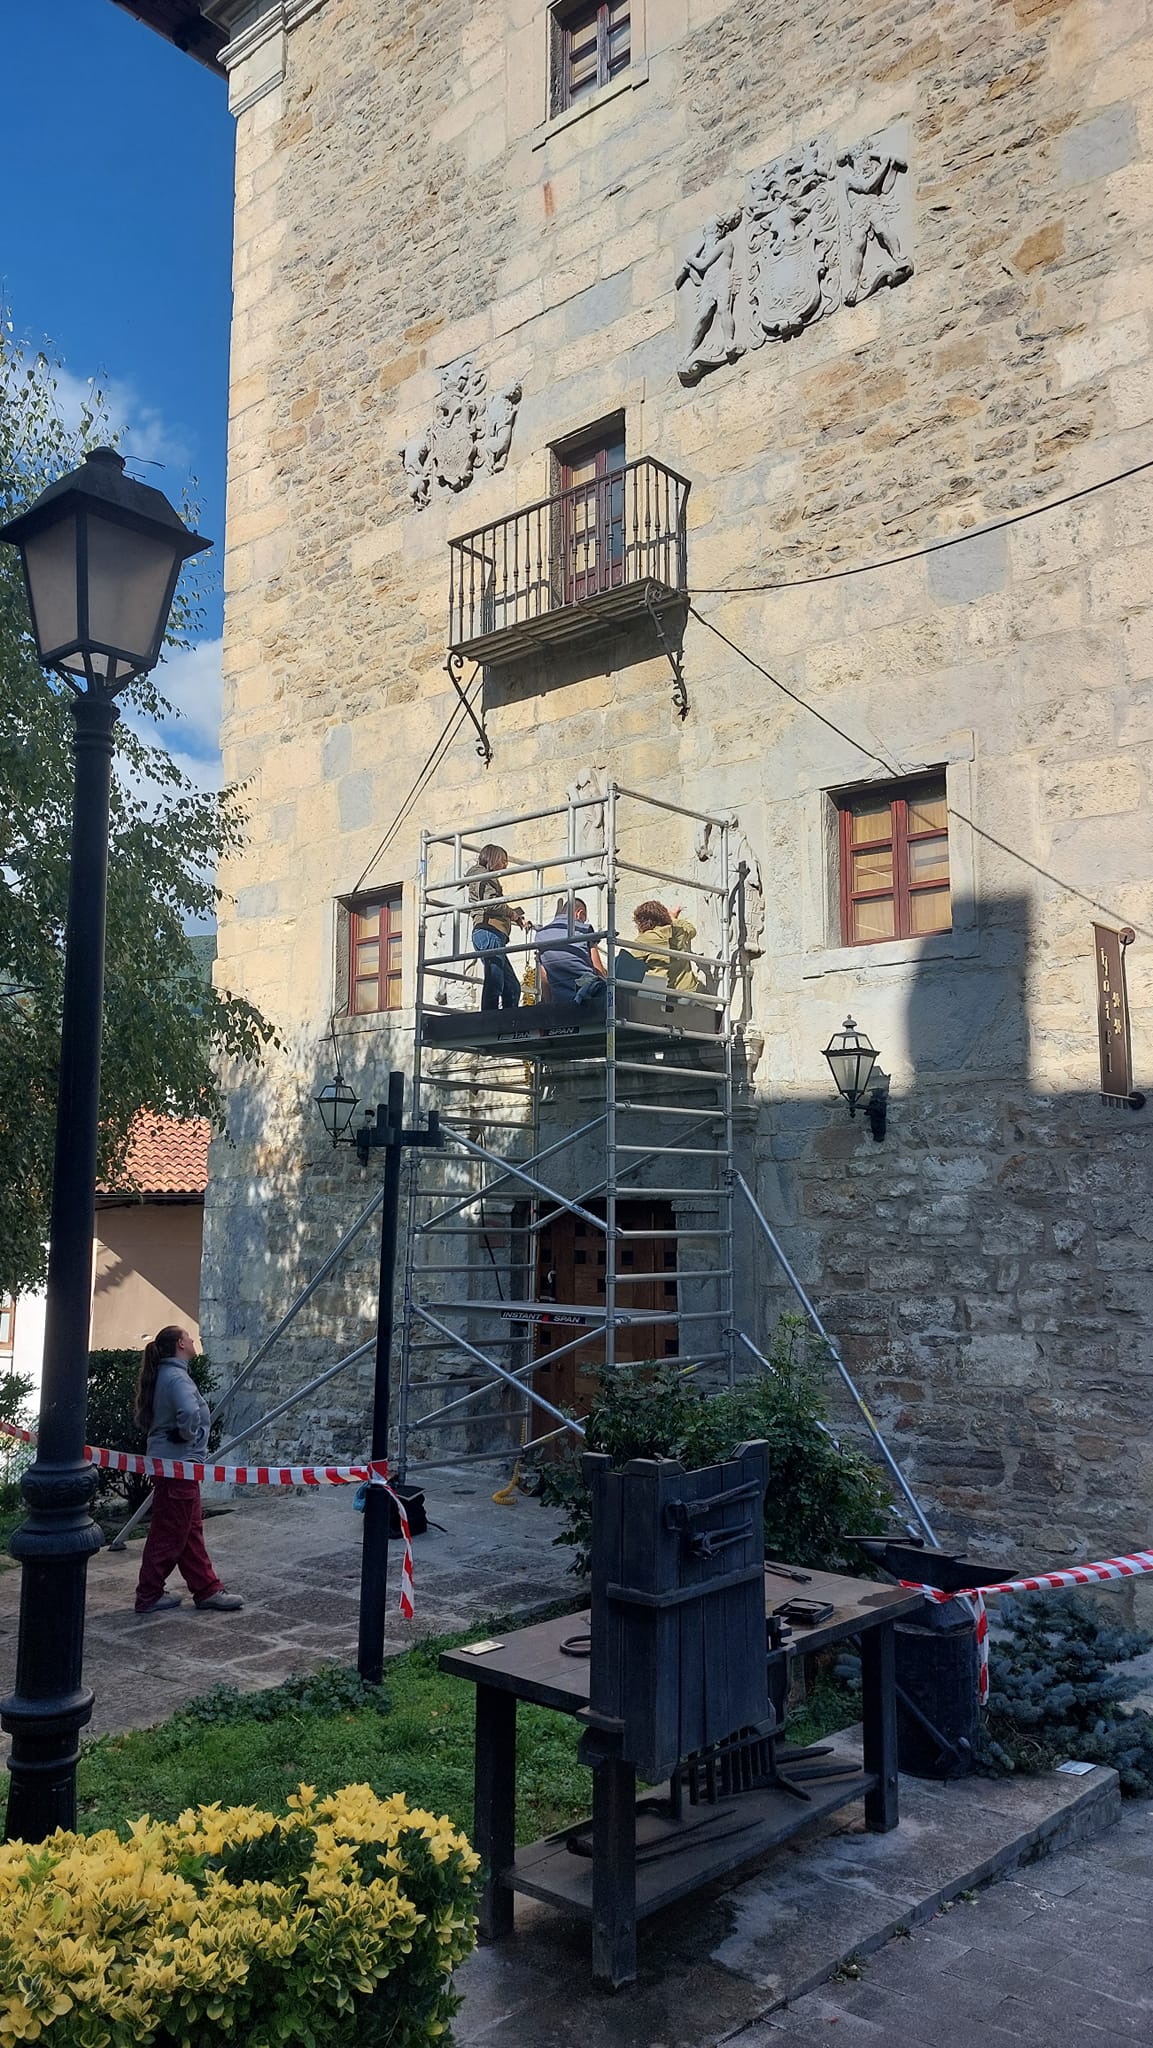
x,y
175,1540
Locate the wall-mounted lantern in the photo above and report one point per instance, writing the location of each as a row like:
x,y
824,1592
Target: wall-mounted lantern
x,y
337,1105
852,1057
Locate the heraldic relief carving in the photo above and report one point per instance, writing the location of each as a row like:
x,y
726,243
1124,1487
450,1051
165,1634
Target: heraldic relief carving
x,y
818,229
467,432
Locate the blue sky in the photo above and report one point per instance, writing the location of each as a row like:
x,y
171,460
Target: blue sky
x,y
115,251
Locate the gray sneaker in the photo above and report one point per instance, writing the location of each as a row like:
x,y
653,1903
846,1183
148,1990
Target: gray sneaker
x,y
156,1606
220,1603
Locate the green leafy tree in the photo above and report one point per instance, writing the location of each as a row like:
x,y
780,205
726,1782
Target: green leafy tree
x,y
820,1492
165,1032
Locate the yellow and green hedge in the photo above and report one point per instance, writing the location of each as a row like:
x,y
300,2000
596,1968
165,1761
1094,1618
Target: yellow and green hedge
x,y
339,1923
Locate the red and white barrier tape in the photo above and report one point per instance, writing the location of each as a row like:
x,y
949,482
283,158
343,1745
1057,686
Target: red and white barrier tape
x,y
373,1473
1110,1568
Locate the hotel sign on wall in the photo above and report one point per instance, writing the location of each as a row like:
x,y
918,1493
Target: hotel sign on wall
x,y
1113,1016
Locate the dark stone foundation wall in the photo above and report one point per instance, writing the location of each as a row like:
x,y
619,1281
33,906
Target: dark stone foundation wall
x,y
987,1274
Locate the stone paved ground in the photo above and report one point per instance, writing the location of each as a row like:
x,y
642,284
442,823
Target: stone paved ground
x,y
296,1559
1055,1956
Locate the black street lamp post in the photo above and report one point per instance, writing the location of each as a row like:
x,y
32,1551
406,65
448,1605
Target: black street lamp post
x,y
337,1105
101,556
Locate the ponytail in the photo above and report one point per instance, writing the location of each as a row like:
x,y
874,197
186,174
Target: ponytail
x,y
162,1347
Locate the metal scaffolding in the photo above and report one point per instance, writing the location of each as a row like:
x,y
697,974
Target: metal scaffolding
x,y
580,1215
603,1130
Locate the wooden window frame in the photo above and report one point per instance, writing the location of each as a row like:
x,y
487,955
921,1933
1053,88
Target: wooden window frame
x,y
899,796
390,903
605,558
561,22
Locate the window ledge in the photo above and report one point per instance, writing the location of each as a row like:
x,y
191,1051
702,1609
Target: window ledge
x,y
636,75
959,944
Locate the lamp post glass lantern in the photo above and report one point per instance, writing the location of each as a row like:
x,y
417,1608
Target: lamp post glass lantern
x,y
337,1103
851,1058
101,555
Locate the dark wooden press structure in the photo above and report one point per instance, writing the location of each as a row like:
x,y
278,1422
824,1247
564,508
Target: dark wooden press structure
x,y
679,1673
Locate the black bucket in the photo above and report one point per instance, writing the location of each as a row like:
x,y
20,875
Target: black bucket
x,y
938,1713
937,1706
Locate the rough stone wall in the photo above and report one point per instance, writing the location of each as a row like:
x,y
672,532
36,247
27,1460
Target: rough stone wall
x,y
400,200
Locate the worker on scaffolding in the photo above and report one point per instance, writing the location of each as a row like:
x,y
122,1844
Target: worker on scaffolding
x,y
663,935
493,918
571,967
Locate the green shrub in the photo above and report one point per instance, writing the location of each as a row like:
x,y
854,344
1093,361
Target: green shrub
x,y
112,1418
334,1689
818,1491
339,1923
1053,1695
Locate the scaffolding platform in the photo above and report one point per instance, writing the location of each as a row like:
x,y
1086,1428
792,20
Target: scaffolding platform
x,y
567,1030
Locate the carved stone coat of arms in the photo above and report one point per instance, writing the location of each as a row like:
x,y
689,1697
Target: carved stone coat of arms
x,y
468,431
817,229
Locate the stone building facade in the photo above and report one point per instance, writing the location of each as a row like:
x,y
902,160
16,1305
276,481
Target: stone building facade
x,y
870,277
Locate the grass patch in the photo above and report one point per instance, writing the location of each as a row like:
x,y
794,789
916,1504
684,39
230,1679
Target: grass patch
x,y
415,1737
327,1729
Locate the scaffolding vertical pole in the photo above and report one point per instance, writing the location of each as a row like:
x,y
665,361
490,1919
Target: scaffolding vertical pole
x,y
725,986
611,1082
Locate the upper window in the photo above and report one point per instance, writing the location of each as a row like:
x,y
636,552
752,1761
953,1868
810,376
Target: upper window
x,y
591,45
374,953
7,1323
895,862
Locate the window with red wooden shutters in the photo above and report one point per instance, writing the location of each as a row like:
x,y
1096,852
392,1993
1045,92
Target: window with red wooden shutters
x,y
895,862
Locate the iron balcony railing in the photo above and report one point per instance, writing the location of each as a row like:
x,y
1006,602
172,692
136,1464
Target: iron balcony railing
x,y
600,552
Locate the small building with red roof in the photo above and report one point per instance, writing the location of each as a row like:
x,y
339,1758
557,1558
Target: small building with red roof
x,y
146,1256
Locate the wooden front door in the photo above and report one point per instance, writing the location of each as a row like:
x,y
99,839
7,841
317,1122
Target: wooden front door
x,y
571,1272
592,525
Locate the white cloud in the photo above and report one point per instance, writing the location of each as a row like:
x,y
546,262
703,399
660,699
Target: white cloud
x,y
190,679
145,435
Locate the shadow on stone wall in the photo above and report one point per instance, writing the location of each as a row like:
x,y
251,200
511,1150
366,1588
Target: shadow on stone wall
x,y
986,1270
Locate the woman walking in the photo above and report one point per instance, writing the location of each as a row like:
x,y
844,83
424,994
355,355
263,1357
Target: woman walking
x,y
171,1408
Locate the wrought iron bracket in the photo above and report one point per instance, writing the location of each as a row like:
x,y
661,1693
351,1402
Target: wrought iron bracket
x,y
454,667
672,655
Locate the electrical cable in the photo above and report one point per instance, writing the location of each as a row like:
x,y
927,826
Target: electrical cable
x,y
932,547
901,774
423,776
887,765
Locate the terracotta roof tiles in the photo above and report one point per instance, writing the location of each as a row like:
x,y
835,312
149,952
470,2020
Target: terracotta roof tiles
x,y
167,1155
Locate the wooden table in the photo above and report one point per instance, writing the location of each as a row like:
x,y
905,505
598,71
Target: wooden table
x,y
641,1862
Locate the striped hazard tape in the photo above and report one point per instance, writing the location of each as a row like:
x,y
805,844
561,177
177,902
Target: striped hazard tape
x,y
1100,1574
374,1472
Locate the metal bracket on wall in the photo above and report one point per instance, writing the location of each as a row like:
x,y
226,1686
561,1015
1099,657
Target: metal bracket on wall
x,y
672,654
454,667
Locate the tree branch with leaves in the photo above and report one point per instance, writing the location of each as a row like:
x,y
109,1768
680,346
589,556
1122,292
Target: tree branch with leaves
x,y
167,1032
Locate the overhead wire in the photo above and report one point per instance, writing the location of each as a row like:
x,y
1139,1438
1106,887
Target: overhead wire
x,y
419,785
932,547
744,654
1070,888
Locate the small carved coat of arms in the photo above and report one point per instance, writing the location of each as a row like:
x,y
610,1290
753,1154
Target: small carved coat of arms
x,y
468,431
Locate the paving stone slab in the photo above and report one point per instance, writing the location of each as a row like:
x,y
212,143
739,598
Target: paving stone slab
x,y
720,1966
295,1557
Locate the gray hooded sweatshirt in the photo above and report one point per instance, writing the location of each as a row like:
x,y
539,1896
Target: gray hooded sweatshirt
x,y
180,1415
